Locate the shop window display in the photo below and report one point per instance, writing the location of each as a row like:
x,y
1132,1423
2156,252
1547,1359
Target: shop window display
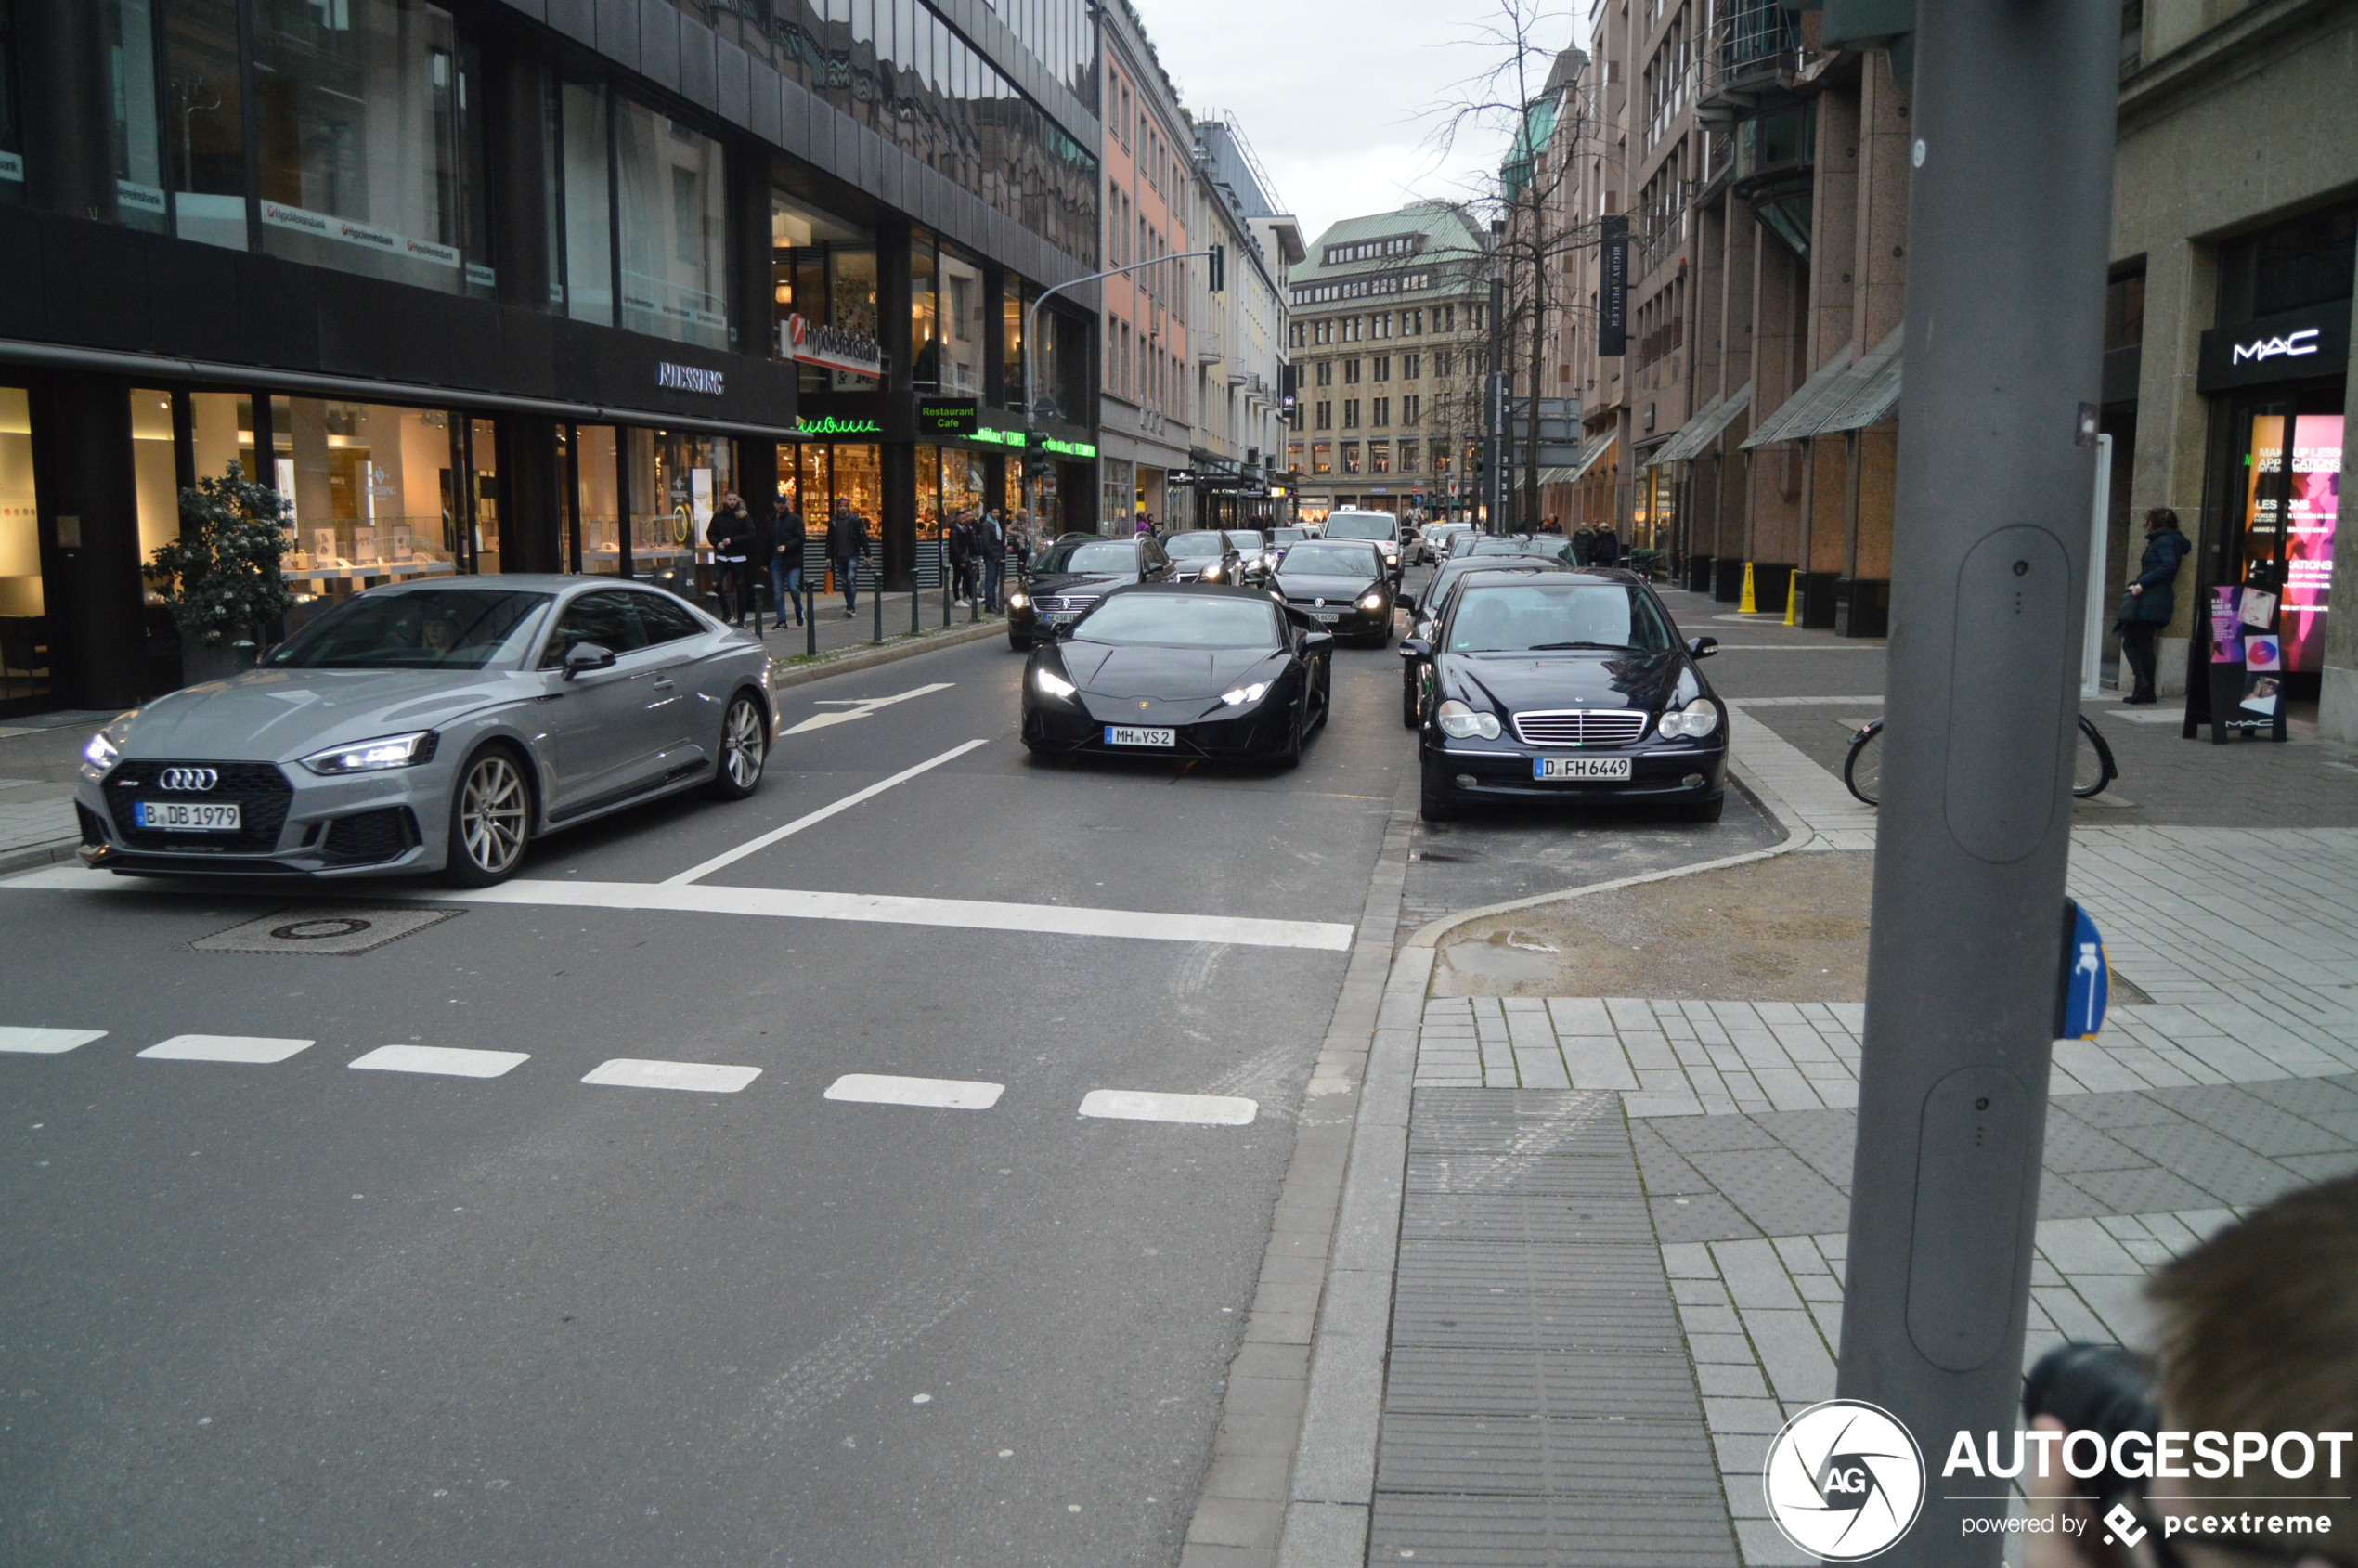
x,y
2288,523
155,471
24,662
598,500
673,479
371,487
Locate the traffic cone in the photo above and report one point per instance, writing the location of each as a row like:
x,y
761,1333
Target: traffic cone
x,y
1745,606
1792,598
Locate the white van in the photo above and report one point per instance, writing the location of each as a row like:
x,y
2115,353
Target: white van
x,y
1349,523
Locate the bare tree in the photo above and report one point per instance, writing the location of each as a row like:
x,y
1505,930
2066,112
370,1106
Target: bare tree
x,y
1532,93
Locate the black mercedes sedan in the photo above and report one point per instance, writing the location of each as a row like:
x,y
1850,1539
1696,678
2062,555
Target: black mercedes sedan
x,y
1427,612
1567,687
1171,670
1073,573
1341,584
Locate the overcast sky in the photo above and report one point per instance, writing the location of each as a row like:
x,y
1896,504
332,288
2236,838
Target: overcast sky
x,y
1331,92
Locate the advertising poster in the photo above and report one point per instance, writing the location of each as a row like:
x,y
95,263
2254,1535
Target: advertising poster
x,y
2226,630
2311,512
2264,677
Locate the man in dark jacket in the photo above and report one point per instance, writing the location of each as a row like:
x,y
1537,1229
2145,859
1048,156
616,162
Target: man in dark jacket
x,y
991,544
962,558
847,542
2152,598
1605,546
731,534
787,537
1584,545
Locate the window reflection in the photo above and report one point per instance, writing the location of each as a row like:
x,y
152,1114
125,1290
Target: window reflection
x,y
673,227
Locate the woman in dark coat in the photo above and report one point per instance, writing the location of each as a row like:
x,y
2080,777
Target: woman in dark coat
x,y
2152,598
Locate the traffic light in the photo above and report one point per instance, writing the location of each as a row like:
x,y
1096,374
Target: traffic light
x,y
1035,464
1219,260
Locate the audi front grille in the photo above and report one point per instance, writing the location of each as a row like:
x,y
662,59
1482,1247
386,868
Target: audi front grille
x,y
259,790
1614,726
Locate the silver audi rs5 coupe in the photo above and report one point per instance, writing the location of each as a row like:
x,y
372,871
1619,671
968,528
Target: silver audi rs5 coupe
x,y
432,727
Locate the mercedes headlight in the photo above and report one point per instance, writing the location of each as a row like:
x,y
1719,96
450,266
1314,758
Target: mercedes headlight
x,y
373,757
1053,685
1371,601
1017,599
1237,696
1692,722
1461,722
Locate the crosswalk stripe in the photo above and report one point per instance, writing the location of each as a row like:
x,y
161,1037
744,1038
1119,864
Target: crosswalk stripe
x,y
945,1093
46,1042
1145,1105
247,1048
448,1061
630,1072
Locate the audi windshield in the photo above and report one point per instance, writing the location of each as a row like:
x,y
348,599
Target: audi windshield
x,y
414,629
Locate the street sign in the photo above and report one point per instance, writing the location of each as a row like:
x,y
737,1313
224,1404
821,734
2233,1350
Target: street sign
x,y
962,417
1612,304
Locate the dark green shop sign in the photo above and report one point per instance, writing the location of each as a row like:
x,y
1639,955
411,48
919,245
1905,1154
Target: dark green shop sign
x,y
828,424
937,418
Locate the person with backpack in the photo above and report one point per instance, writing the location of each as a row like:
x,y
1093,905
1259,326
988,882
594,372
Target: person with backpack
x,y
846,543
788,535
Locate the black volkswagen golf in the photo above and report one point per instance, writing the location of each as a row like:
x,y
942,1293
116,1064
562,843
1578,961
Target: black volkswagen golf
x,y
1342,585
1181,669
1073,573
1569,687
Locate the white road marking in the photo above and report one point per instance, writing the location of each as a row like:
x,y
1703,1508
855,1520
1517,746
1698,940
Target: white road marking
x,y
1051,920
1143,1104
944,1093
224,1048
860,707
753,846
46,1042
447,1060
626,1072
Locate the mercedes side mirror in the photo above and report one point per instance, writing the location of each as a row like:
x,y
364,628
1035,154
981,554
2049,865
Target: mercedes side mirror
x,y
1703,647
583,657
1415,648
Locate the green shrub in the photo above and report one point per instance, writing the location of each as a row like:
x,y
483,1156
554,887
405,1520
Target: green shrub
x,y
222,577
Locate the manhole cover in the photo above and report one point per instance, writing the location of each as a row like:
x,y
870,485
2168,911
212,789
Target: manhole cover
x,y
337,933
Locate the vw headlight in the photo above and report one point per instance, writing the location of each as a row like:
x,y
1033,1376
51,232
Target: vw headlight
x,y
1371,601
100,752
1017,599
373,757
1238,696
1461,722
1052,684
1692,722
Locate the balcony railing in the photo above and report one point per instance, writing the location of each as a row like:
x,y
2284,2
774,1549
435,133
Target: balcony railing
x,y
1754,50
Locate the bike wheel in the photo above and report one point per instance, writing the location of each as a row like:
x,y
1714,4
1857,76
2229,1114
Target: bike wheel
x,y
2091,764
1862,768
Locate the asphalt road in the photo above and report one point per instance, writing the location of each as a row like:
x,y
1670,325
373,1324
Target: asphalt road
x,y
287,1313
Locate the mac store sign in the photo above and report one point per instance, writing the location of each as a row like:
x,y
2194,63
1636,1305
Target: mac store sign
x,y
2296,346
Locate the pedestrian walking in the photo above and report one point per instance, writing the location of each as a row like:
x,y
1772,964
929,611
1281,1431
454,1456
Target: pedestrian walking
x,y
731,534
1604,546
2152,598
788,535
1584,546
962,558
991,546
847,542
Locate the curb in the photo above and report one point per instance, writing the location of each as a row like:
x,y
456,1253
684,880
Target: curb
x,y
782,674
30,855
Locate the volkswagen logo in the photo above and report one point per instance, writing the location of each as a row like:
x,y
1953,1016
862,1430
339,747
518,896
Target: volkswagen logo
x,y
1320,603
189,778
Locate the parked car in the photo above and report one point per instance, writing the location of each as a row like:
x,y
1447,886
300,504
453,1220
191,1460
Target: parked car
x,y
432,727
1073,573
1181,669
1427,612
1567,688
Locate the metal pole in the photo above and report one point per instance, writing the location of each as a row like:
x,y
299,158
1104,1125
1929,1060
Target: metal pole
x,y
2009,217
809,606
876,589
1493,483
942,550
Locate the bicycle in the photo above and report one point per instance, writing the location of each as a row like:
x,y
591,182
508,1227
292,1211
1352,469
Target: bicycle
x,y
2093,766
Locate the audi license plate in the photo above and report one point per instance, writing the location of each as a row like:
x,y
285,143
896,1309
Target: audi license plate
x,y
1545,767
1134,734
184,816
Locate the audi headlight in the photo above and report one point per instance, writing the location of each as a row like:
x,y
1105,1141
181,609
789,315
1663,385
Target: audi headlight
x,y
1052,684
1692,722
1371,601
1017,599
1461,722
373,756
1238,696
100,752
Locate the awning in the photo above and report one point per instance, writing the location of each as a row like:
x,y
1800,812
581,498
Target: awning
x,y
1590,459
1702,427
1842,396
1818,395
1876,396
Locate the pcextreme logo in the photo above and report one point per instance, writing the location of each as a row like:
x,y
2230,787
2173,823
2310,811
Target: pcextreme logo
x,y
1843,1480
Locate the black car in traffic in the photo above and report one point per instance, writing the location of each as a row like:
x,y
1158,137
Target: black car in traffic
x,y
1181,670
1567,688
1342,585
1203,555
1073,573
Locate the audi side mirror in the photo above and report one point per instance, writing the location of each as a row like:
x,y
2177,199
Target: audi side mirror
x,y
1703,647
583,657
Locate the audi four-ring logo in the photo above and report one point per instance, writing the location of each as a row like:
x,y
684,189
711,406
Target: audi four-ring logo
x,y
190,778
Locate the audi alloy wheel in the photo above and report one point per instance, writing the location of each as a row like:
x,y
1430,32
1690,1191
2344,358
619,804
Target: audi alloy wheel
x,y
490,820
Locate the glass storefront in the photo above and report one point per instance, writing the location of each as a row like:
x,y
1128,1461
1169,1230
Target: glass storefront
x,y
672,479
155,472
25,639
372,492
2285,540
597,501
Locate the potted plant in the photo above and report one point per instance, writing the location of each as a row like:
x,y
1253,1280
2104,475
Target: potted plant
x,y
222,577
